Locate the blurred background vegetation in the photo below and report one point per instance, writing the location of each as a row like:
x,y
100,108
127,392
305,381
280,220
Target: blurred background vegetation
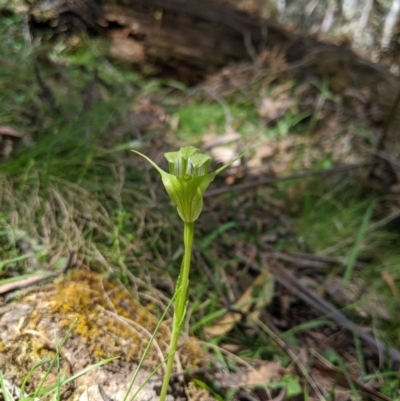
x,y
317,194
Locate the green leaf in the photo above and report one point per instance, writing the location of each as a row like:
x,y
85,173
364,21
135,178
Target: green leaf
x,y
292,384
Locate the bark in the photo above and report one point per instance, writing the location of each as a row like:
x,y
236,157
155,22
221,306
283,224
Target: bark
x,y
184,38
189,40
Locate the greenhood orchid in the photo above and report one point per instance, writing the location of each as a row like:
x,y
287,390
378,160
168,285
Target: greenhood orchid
x,y
187,180
186,183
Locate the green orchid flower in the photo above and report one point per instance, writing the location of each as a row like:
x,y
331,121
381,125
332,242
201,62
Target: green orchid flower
x,y
186,183
187,180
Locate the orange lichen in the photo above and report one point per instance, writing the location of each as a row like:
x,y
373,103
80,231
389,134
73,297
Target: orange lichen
x,y
84,297
109,322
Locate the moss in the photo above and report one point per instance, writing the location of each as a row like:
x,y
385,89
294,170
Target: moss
x,y
102,311
84,297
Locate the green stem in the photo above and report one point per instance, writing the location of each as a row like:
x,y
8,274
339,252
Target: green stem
x,y
181,291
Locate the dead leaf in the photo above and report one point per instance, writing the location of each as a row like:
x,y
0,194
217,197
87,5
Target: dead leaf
x,y
272,109
389,280
128,49
224,155
210,140
334,378
232,348
261,160
259,294
262,374
341,393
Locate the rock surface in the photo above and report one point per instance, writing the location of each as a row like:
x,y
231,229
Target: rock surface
x,y
109,323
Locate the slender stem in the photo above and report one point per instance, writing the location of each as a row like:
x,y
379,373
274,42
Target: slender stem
x,y
181,291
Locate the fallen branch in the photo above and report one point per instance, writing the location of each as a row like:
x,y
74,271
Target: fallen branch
x,y
296,287
25,282
273,180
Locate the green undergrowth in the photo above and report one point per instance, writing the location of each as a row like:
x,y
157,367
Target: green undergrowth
x,y
64,186
348,224
199,117
72,186
337,221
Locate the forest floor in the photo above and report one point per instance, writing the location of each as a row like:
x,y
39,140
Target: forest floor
x,y
296,270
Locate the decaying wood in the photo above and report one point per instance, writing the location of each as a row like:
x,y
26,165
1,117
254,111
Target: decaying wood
x,y
184,38
188,41
170,36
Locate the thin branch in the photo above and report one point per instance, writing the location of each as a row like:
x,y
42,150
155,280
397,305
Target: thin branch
x,y
296,287
273,180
